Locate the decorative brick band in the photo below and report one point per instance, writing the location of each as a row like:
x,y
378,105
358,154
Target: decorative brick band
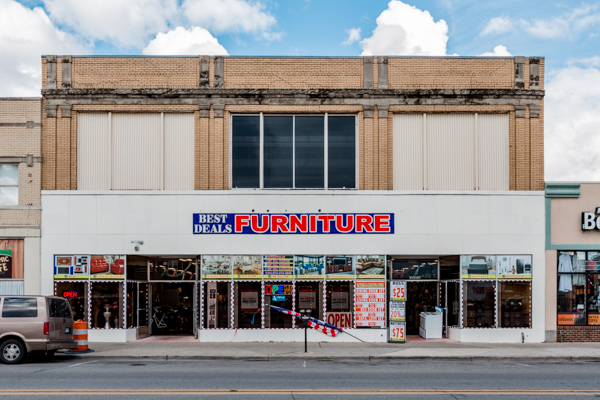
x,y
578,333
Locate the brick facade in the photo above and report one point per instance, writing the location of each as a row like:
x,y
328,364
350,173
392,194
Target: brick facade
x,y
374,88
20,131
578,334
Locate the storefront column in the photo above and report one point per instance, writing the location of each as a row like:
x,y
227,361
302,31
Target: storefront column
x,y
368,148
523,159
382,112
201,150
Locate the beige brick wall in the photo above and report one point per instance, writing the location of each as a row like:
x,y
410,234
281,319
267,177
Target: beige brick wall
x,y
450,73
19,141
135,72
293,73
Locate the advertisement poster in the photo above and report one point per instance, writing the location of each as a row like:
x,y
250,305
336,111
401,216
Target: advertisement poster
x,y
278,267
309,267
246,267
398,290
397,311
211,303
5,264
397,331
339,267
339,299
513,267
307,299
370,267
216,267
249,299
370,304
340,319
72,266
478,267
418,269
106,267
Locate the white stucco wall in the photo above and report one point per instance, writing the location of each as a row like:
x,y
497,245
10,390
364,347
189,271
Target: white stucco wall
x,y
426,223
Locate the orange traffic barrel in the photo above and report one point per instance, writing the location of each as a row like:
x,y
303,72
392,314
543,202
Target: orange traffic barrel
x,y
80,332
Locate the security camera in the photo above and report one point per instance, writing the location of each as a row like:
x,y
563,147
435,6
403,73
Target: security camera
x,y
137,248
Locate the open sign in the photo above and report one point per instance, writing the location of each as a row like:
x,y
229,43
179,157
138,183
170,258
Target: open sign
x,y
69,294
278,289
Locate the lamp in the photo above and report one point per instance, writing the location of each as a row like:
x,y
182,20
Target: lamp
x,y
305,316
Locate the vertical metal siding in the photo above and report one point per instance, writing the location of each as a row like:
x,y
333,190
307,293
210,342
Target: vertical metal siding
x,y
408,151
12,287
179,151
450,151
136,152
93,151
493,151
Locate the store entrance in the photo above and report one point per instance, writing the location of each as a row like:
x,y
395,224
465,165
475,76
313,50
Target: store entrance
x,y
421,296
172,308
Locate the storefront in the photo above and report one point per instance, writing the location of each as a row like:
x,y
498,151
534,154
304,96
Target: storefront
x,y
573,260
191,263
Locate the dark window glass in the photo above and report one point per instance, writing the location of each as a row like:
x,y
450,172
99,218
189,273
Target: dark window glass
x,y
479,304
245,151
341,152
278,153
310,152
16,307
59,308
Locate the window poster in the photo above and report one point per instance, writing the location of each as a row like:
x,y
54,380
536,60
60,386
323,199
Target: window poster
x,y
249,299
246,267
340,300
398,290
397,331
309,267
72,267
307,299
216,267
478,267
370,304
340,319
339,267
513,267
397,310
5,264
414,269
278,267
211,305
105,267
370,267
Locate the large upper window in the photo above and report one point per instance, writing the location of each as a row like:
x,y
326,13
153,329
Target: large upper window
x,y
293,151
9,184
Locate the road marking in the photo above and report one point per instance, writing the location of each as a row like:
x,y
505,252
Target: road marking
x,y
81,363
304,366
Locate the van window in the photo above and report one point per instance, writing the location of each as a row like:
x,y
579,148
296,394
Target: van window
x,y
18,307
59,308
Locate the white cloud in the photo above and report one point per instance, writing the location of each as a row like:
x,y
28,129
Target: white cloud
x,y
498,25
567,25
123,23
229,16
572,118
353,36
499,51
406,30
181,41
25,35
588,62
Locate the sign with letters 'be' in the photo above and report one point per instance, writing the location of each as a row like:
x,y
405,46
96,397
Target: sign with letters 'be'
x,y
231,224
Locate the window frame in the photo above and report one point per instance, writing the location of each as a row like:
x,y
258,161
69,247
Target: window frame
x,y
11,186
325,116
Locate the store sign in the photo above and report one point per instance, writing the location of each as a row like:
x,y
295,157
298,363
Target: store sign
x,y
398,290
69,294
370,304
340,319
397,331
278,289
5,264
293,224
590,220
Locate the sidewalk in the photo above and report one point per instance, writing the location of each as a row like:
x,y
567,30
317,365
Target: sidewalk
x,y
434,351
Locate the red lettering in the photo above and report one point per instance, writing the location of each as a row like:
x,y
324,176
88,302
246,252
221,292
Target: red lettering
x,y
364,223
262,228
382,223
349,223
240,222
299,223
313,223
347,321
278,223
337,319
326,219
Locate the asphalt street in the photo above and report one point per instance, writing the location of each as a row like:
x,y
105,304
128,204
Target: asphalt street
x,y
74,378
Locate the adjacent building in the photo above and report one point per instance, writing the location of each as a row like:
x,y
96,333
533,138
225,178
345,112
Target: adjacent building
x,y
188,195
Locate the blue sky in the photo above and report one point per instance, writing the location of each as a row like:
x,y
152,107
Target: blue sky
x,y
566,33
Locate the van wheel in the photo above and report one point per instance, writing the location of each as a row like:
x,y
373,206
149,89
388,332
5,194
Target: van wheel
x,y
12,351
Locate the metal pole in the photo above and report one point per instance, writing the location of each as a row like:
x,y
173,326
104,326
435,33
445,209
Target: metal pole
x,y
305,338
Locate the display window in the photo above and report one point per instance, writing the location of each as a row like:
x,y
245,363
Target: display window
x,y
279,294
414,269
479,304
173,269
137,268
578,291
339,302
137,304
172,307
106,310
76,293
11,258
217,305
309,296
248,305
593,299
515,305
